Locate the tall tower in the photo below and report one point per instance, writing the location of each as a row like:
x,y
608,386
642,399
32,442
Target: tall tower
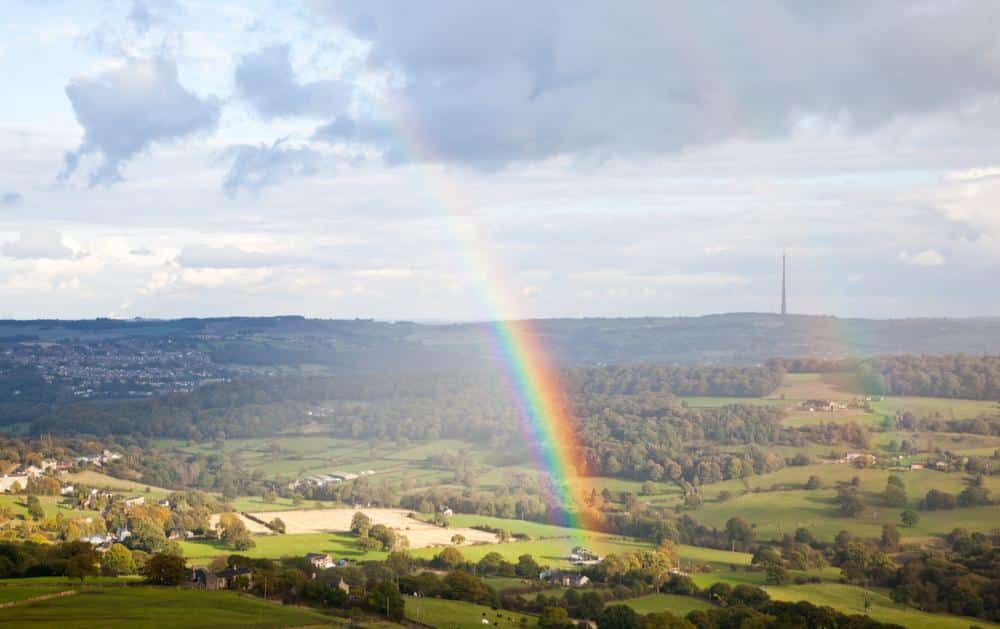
x,y
784,304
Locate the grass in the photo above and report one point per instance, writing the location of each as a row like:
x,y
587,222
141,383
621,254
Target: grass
x,y
338,545
12,593
850,600
143,606
441,613
777,513
91,478
948,407
673,603
694,401
50,504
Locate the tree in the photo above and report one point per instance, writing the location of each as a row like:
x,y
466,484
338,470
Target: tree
x,y
277,525
360,524
386,599
491,564
591,605
619,617
449,558
909,518
936,499
235,534
161,569
890,537
894,495
776,574
850,505
147,536
117,561
458,539
814,482
766,556
974,495
35,509
527,567
739,533
82,565
554,618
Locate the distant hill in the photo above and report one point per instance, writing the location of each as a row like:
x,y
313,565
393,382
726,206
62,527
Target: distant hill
x,y
740,338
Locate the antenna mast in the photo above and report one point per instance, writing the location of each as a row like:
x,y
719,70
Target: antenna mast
x,y
784,303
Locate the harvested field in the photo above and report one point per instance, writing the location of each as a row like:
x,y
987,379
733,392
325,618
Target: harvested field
x,y
421,534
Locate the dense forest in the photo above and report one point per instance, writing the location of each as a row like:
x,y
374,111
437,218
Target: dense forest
x,y
952,376
471,405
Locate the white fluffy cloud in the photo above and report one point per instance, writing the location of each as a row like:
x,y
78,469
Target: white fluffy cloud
x,y
927,257
38,244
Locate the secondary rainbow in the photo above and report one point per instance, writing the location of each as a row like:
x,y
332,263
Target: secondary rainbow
x,y
548,426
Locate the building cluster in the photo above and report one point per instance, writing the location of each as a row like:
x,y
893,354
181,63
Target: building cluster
x,y
113,368
17,479
241,577
322,480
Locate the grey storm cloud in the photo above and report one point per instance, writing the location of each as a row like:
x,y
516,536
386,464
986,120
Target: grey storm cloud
x,y
200,256
11,198
126,110
37,244
267,81
255,167
485,84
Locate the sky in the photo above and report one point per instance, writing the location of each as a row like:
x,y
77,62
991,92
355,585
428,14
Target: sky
x,y
403,160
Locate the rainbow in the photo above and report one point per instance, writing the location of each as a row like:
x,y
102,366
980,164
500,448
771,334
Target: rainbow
x,y
548,426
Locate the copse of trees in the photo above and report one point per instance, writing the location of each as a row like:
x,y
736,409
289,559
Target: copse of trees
x,y
951,376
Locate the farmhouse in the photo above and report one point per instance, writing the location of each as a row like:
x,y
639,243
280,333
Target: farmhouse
x,y
222,580
321,480
320,560
135,501
823,405
565,579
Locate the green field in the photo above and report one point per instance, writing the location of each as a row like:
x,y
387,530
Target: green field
x,y
51,505
949,408
850,600
441,613
91,478
140,606
12,593
673,603
338,545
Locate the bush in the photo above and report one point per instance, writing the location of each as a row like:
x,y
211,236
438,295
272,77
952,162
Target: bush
x,y
164,569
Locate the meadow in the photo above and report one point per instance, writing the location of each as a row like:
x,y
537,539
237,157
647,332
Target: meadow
x,y
673,603
851,600
142,606
437,612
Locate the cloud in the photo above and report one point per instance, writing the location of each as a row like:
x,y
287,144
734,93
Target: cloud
x,y
145,15
141,252
11,198
229,257
267,81
481,84
974,174
927,257
254,168
130,108
37,244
